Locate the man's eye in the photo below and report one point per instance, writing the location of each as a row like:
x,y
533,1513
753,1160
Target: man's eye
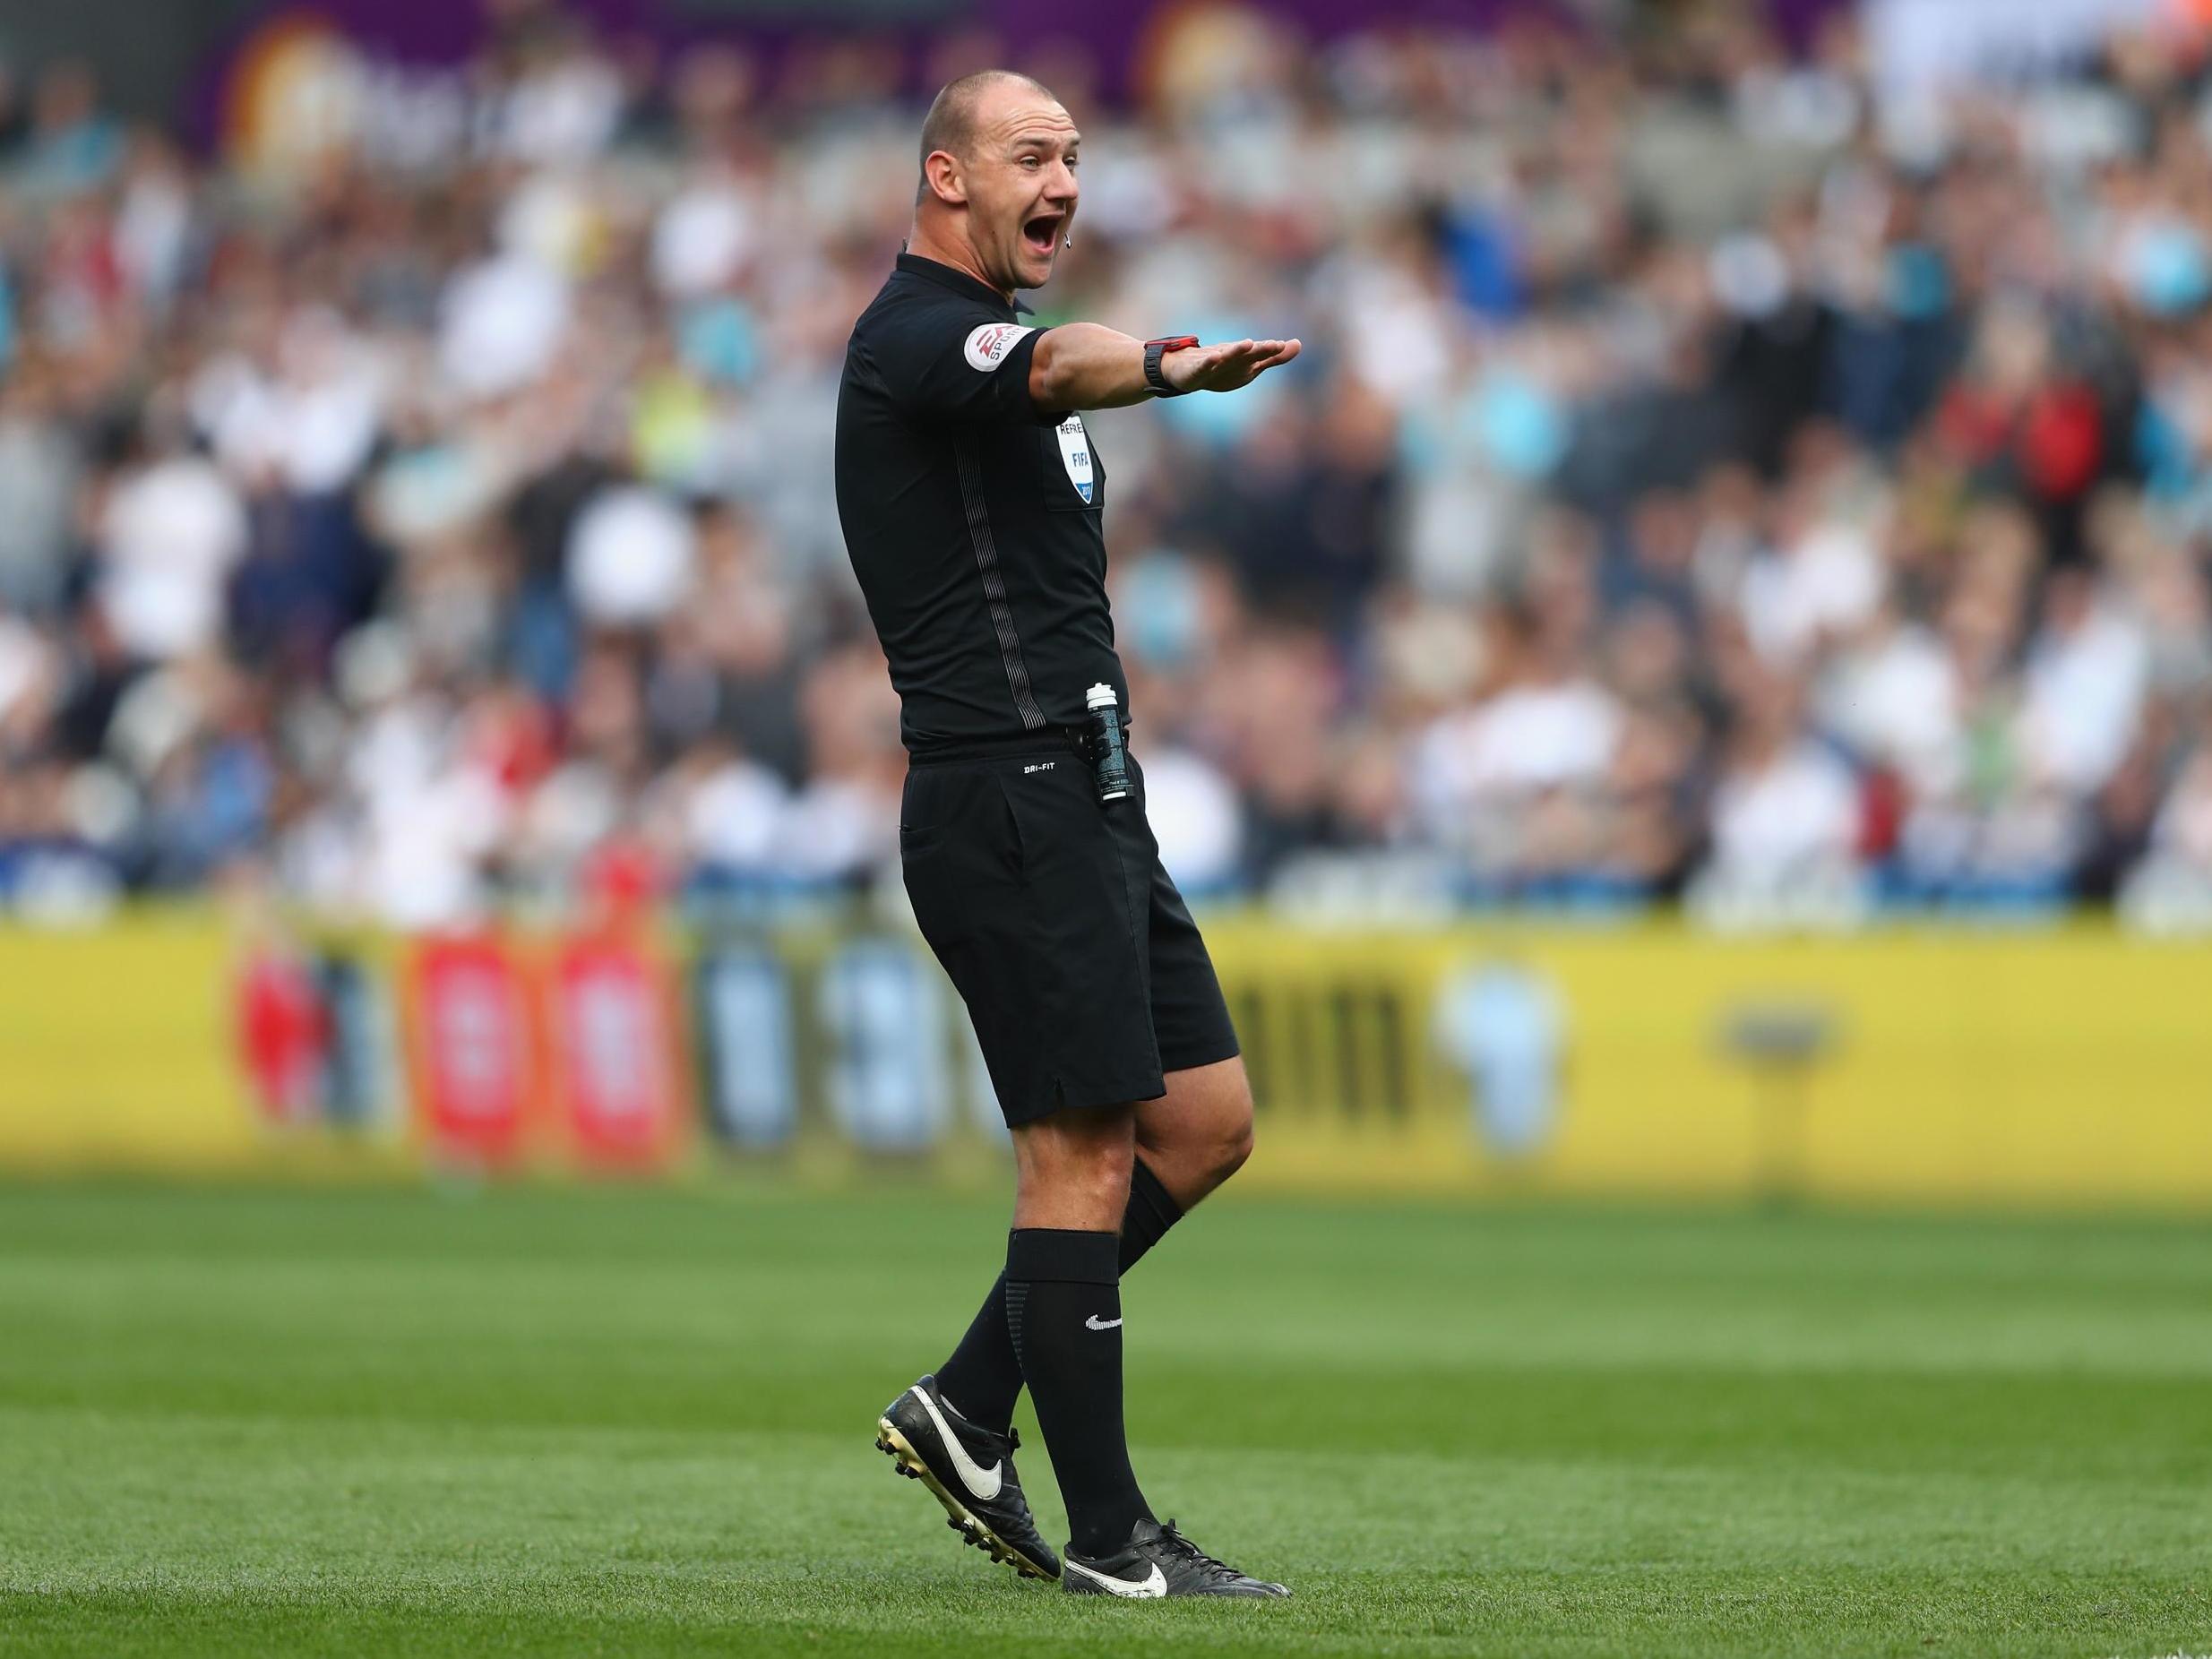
x,y
1029,161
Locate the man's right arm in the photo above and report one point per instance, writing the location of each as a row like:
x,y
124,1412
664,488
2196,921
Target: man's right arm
x,y
1083,365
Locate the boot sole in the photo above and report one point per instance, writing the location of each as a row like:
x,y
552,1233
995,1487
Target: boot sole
x,y
972,1529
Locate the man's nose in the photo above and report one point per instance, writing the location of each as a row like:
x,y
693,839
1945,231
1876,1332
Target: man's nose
x,y
1061,187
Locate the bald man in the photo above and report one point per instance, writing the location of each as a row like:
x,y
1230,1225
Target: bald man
x,y
972,496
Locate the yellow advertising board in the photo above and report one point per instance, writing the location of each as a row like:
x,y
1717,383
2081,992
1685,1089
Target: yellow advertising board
x,y
2072,1065
120,1048
115,1047
1908,1064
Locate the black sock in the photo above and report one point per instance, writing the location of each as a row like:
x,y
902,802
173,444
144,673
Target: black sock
x,y
1152,1210
982,1379
1064,1305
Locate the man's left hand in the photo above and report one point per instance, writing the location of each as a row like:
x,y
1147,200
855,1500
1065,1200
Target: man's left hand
x,y
1228,366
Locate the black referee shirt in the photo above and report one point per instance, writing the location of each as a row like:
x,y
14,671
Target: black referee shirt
x,y
972,516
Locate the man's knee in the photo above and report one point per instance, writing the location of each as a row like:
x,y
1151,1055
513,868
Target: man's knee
x,y
1229,1139
1096,1176
1072,1169
1201,1133
1233,1151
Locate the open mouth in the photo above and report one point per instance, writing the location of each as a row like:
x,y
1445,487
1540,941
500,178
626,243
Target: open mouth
x,y
1042,233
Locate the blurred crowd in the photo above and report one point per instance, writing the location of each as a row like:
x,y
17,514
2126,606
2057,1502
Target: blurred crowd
x,y
1704,481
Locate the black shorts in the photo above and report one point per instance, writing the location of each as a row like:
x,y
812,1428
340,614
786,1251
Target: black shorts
x,y
1077,960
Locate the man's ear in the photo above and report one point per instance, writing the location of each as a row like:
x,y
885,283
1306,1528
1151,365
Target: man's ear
x,y
946,180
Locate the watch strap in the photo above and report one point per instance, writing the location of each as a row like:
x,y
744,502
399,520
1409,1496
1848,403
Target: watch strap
x,y
1154,375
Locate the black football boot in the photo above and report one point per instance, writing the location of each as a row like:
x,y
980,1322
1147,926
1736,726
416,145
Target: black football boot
x,y
1159,1562
971,1470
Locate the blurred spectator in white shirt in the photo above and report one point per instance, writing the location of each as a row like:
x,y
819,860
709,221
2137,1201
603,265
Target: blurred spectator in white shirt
x,y
2083,689
630,558
704,235
1786,817
1198,819
502,320
1889,692
171,532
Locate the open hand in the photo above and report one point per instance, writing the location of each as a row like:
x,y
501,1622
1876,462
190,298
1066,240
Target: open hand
x,y
1226,367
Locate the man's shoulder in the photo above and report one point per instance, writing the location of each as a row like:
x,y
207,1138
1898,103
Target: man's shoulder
x,y
906,303
916,329
936,346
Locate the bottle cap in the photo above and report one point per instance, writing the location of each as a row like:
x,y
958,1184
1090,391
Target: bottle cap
x,y
1100,696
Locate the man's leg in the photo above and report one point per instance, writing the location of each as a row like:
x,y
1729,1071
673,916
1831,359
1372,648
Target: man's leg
x,y
1068,1331
1188,1142
1064,1306
1004,866
1198,1134
1058,1314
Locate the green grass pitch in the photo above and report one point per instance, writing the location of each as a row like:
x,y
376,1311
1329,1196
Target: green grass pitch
x,y
598,1421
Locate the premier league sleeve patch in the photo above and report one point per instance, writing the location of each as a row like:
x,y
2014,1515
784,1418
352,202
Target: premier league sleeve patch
x,y
987,346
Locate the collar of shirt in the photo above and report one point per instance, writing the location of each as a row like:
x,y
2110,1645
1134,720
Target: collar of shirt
x,y
961,282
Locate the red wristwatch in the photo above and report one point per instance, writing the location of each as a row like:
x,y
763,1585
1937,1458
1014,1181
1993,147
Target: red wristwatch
x,y
1154,350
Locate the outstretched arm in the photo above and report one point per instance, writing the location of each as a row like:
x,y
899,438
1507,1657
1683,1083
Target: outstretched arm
x,y
1083,365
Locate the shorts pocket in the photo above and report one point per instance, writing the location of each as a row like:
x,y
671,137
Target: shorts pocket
x,y
1075,875
960,849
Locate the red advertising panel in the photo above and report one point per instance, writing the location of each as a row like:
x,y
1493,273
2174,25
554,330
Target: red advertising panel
x,y
284,1035
611,1030
472,1049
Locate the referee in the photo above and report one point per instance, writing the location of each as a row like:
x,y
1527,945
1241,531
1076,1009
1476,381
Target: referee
x,y
971,497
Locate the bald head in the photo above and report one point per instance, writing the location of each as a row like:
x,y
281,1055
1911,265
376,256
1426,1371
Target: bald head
x,y
998,188
954,114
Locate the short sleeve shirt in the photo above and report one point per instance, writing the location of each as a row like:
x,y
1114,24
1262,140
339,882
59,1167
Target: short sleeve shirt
x,y
972,516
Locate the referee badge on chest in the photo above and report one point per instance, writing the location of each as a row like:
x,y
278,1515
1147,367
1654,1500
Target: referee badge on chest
x,y
1075,456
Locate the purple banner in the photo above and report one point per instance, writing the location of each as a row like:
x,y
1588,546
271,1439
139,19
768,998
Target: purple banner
x,y
1113,37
